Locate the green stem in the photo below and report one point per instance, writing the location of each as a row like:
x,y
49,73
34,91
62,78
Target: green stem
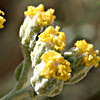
x,y
25,70
18,95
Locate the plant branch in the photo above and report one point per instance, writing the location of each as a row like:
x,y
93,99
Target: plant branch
x,y
17,95
25,69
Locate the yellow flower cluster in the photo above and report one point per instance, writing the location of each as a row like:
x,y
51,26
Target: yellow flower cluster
x,y
43,17
56,66
91,57
2,20
46,18
83,46
51,35
34,10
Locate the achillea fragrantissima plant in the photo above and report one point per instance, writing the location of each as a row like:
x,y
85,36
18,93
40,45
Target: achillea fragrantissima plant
x,y
42,45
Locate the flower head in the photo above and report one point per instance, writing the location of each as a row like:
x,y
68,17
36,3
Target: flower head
x,y
91,58
2,20
55,66
83,46
34,10
42,17
53,36
46,17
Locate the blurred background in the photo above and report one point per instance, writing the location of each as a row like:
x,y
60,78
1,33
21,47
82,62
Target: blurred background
x,y
79,19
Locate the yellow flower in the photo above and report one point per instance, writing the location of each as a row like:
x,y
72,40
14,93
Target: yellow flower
x,y
55,66
43,17
49,70
2,20
91,58
83,46
63,72
33,10
52,36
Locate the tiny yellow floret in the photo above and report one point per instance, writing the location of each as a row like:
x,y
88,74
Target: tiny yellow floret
x,y
91,58
2,20
55,66
54,37
42,17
